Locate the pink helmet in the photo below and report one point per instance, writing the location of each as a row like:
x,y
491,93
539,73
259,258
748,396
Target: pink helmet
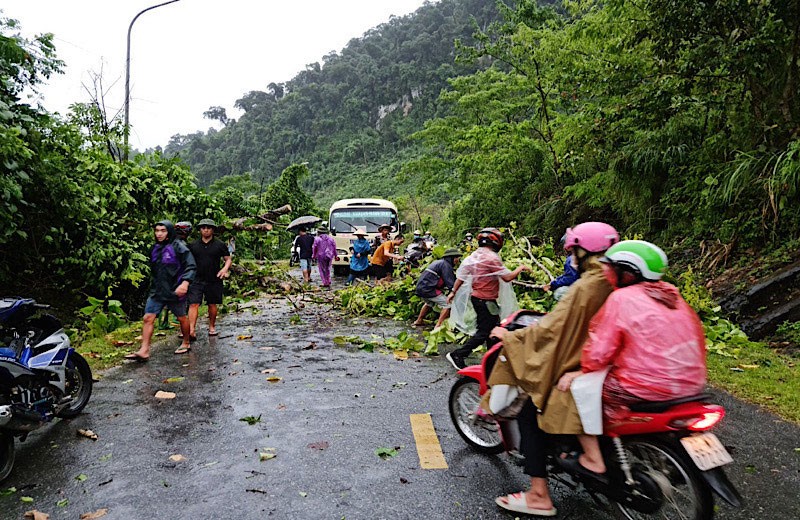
x,y
594,237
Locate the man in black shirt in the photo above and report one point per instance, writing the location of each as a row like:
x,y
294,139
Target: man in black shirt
x,y
306,244
208,251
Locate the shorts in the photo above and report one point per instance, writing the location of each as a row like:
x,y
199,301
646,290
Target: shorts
x,y
305,264
379,271
178,308
440,300
211,290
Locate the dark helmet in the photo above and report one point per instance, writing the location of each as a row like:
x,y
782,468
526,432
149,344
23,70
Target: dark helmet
x,y
491,237
183,229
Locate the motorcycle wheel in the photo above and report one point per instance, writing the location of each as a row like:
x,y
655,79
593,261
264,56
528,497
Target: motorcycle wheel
x,y
79,385
481,433
684,494
6,454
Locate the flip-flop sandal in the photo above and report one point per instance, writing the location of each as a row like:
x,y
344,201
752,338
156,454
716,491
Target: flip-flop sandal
x,y
516,502
136,357
182,350
215,333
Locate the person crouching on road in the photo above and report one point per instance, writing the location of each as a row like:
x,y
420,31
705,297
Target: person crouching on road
x,y
208,252
172,269
323,251
434,279
381,261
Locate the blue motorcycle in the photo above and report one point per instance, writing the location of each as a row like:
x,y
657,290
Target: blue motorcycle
x,y
41,375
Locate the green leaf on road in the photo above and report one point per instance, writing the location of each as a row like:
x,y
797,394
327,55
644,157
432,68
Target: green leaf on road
x,y
8,491
81,477
27,500
251,420
63,503
385,453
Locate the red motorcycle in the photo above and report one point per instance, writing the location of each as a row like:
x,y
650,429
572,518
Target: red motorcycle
x,y
661,461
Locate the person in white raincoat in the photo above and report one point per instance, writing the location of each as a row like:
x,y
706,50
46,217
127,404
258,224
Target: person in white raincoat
x,y
482,281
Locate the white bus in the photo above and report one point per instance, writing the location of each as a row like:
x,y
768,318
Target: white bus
x,y
347,215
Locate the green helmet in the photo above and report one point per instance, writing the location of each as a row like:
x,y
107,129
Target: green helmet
x,y
642,257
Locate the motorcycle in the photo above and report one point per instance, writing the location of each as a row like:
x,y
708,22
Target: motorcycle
x,y
294,257
662,461
41,376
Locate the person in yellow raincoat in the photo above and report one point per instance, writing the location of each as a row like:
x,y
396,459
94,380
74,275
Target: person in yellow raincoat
x,y
535,358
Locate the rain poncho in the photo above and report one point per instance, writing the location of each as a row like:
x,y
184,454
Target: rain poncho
x,y
480,276
361,248
535,358
653,340
324,247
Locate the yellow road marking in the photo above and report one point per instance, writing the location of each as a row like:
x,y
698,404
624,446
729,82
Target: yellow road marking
x,y
428,447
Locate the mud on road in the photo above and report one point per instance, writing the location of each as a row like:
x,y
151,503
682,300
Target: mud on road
x,y
319,413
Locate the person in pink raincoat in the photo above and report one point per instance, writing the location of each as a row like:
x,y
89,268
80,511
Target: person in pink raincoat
x,y
323,251
647,334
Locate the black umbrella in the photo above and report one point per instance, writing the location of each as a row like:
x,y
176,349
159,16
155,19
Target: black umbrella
x,y
304,221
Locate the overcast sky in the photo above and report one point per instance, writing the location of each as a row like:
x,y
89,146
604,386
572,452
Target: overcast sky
x,y
192,54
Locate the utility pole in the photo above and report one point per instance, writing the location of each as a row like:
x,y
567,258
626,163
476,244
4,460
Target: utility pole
x,y
127,129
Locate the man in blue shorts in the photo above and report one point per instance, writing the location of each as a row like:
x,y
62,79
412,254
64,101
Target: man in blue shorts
x,y
305,243
172,269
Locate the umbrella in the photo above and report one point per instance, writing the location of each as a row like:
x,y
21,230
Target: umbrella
x,y
305,220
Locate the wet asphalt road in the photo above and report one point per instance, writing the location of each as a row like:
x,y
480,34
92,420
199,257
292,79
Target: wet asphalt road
x,y
332,408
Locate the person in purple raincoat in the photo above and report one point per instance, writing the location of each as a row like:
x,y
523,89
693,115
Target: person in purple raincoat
x,y
323,251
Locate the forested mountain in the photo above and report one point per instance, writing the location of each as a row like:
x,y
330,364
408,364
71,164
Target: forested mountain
x,y
350,116
669,119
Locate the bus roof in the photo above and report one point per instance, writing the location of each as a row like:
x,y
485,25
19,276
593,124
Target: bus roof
x,y
363,203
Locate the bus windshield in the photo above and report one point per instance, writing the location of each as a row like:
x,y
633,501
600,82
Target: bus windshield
x,y
346,220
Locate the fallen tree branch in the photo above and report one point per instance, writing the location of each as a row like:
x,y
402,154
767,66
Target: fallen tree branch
x,y
527,249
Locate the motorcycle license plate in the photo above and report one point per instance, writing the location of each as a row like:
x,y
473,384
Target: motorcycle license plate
x,y
706,451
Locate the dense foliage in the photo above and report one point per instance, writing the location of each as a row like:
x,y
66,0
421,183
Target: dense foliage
x,y
348,117
666,118
669,119
74,217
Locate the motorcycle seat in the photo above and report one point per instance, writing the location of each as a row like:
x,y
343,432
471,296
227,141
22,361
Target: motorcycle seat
x,y
662,406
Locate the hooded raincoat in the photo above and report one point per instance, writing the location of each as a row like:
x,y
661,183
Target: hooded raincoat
x,y
653,341
535,358
171,263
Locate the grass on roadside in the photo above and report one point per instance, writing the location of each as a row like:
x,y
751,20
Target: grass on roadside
x,y
107,351
759,375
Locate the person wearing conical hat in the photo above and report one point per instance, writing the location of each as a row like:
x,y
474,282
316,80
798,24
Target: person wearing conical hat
x,y
359,256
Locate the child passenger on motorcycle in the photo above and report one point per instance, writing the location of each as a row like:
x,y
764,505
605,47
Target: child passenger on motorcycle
x,y
649,336
534,359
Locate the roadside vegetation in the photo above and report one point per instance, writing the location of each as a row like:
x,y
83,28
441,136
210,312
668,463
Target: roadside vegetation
x,y
676,122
